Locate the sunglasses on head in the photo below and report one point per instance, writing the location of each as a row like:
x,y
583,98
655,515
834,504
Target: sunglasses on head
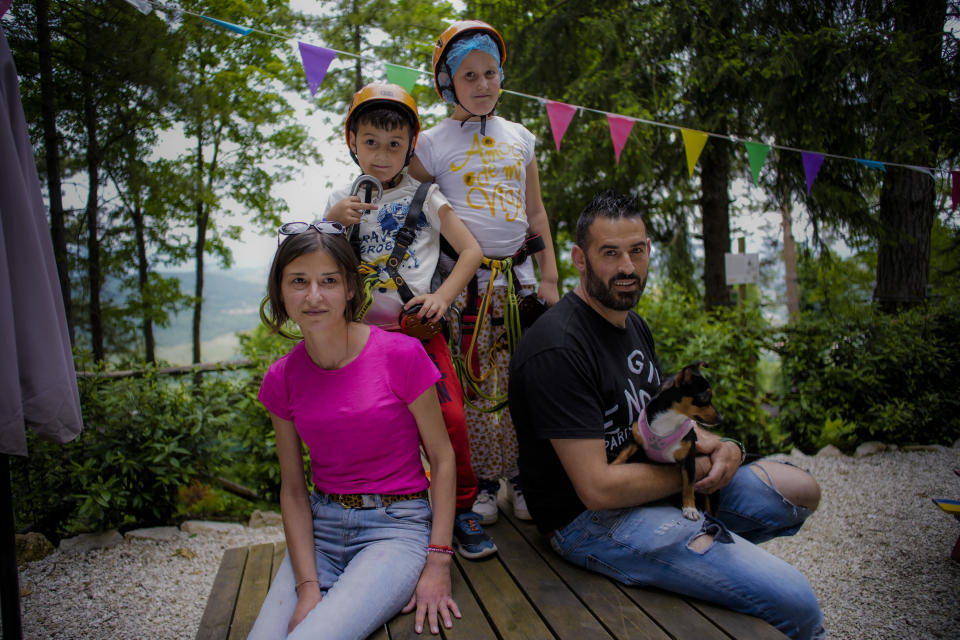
x,y
296,228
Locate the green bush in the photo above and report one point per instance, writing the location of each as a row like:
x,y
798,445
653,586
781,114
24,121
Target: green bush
x,y
732,342
864,375
143,438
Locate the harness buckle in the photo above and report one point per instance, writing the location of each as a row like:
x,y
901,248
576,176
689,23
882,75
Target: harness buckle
x,y
405,236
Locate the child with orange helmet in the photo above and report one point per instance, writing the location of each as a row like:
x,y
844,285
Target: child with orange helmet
x,y
399,257
487,169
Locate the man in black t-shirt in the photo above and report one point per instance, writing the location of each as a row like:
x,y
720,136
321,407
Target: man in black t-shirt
x,y
578,381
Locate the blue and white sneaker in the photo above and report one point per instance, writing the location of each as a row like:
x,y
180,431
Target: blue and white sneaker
x,y
469,538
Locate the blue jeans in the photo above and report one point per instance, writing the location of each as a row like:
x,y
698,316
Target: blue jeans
x,y
368,565
648,546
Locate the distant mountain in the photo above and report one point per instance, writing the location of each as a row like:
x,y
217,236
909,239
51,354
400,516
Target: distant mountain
x,y
231,304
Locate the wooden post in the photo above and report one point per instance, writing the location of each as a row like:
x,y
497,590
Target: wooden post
x,y
9,577
741,289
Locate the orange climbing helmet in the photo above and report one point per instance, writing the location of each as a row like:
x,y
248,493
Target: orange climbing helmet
x,y
457,30
384,95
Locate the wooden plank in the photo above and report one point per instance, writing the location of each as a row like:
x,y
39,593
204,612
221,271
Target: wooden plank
x,y
472,624
253,590
215,623
738,625
559,606
620,616
504,603
279,551
676,616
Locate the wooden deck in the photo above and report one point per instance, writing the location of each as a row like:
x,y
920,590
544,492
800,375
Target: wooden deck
x,y
524,592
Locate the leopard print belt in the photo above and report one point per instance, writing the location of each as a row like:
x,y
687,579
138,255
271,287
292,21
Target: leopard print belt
x,y
369,500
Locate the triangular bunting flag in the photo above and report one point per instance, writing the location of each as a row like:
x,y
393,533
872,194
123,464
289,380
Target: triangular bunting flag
x,y
315,62
693,143
811,166
560,115
926,170
142,5
873,164
620,127
4,5
956,188
757,153
403,76
229,25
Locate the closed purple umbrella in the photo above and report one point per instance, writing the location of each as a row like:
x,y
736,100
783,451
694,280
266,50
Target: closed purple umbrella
x,y
38,386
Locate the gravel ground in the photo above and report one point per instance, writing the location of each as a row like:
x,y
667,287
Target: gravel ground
x,y
876,552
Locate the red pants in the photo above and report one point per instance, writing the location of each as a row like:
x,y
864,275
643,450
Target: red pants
x,y
451,405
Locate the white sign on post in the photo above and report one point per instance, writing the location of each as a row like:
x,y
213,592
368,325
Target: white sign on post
x,y
742,268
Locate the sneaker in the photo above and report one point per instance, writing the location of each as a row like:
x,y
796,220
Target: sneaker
x,y
519,502
469,538
485,504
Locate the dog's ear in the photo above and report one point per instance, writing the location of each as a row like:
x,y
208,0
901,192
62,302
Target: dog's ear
x,y
690,372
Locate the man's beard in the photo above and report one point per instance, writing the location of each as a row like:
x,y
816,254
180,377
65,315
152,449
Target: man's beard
x,y
606,293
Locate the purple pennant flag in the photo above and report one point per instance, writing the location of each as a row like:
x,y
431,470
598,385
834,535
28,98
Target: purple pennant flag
x,y
956,188
4,5
811,166
315,62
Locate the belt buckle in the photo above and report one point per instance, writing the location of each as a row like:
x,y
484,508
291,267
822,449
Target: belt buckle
x,y
368,500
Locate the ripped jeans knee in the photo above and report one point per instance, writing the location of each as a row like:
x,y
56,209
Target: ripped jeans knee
x,y
755,509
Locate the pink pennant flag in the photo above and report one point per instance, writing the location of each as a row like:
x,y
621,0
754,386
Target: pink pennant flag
x,y
956,188
560,116
4,5
315,62
811,166
619,130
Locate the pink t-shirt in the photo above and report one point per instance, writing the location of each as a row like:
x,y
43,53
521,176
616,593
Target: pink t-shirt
x,y
355,420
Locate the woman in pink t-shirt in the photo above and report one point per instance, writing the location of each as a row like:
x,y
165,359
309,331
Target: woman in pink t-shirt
x,y
364,543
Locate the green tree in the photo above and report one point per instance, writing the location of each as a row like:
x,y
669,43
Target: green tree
x,y
241,129
107,64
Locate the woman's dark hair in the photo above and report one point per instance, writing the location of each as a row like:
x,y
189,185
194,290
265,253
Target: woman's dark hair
x,y
309,241
609,204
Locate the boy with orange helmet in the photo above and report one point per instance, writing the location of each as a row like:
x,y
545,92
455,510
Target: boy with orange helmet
x,y
486,167
381,131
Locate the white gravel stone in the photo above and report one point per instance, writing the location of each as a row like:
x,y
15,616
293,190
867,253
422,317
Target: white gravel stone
x,y
209,526
877,553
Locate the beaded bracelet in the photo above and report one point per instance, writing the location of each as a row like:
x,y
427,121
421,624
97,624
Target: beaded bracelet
x,y
439,548
743,452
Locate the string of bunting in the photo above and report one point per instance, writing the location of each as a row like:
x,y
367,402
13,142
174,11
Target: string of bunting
x,y
316,62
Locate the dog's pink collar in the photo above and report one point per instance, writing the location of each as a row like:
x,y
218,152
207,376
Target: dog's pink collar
x,y
656,447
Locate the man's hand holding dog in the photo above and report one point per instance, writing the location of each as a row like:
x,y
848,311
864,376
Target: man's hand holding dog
x,y
723,460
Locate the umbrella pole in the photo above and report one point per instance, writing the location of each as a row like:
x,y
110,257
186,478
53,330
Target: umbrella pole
x,y
9,580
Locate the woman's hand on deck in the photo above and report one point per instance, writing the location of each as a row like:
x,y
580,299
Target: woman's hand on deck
x,y
433,597
307,599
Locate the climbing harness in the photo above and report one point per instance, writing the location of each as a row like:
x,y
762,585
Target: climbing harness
x,y
472,367
410,324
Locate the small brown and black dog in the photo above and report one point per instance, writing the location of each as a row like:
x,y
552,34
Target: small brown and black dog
x,y
665,428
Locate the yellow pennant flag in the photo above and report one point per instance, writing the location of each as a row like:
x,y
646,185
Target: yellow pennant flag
x,y
693,143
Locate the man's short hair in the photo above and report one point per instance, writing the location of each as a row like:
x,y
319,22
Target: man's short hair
x,y
608,204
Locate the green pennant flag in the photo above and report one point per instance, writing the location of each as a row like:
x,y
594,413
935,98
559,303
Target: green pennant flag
x,y
402,76
757,152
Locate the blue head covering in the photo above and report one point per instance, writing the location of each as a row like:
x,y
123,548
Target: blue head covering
x,y
454,58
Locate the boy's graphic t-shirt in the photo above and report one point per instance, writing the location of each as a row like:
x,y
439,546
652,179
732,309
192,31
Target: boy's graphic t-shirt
x,y
378,233
484,178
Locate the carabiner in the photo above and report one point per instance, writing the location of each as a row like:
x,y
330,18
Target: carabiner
x,y
372,183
